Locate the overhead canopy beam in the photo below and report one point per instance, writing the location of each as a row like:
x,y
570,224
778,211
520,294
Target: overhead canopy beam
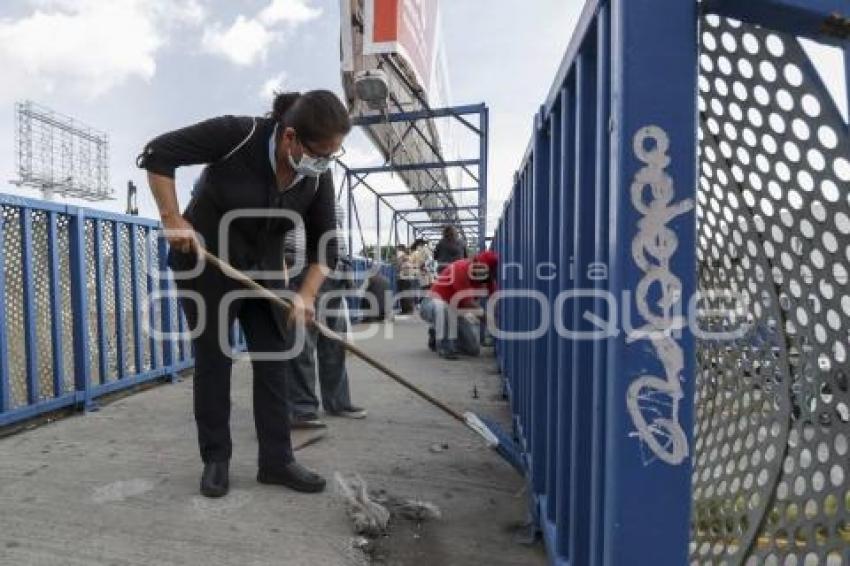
x,y
413,167
419,94
418,115
410,194
435,181
443,195
470,222
442,209
443,222
434,149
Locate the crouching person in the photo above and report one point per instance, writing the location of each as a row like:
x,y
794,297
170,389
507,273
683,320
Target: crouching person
x,y
449,301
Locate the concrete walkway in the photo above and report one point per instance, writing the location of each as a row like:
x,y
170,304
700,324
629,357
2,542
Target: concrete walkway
x,y
119,487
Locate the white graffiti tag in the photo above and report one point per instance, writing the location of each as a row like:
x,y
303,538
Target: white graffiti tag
x,y
655,243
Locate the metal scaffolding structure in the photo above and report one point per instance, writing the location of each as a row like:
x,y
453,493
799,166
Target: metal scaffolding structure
x,y
426,221
59,155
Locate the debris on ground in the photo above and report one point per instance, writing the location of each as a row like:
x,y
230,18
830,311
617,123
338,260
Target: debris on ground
x,y
418,511
369,518
363,544
315,439
439,447
372,511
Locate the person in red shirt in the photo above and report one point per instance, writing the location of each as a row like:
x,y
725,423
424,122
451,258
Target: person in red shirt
x,y
457,289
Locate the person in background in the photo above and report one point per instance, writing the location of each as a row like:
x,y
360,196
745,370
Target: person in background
x,y
449,249
319,352
407,278
375,301
277,162
438,310
422,259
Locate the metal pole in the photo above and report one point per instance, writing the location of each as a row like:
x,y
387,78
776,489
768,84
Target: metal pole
x,y
350,219
482,173
377,229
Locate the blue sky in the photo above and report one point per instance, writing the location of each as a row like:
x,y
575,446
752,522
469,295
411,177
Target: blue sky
x,y
135,68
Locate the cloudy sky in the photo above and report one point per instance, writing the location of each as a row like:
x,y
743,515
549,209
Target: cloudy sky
x,y
135,68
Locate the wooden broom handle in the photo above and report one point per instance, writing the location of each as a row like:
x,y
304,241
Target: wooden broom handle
x,y
237,275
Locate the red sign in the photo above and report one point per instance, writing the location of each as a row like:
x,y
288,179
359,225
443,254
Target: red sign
x,y
407,28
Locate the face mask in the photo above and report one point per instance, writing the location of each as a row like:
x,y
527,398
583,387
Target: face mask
x,y
310,166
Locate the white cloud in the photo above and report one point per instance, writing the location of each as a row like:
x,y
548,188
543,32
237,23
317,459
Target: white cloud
x,y
293,12
272,86
244,43
248,39
86,47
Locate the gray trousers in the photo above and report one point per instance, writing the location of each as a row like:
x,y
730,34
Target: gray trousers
x,y
461,338
323,356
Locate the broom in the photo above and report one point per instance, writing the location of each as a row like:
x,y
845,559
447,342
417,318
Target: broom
x,y
495,438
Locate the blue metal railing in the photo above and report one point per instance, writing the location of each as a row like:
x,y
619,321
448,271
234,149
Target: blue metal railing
x,y
600,233
87,307
79,290
608,175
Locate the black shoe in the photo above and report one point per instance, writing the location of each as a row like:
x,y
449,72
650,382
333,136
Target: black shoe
x,y
432,340
294,476
307,422
215,481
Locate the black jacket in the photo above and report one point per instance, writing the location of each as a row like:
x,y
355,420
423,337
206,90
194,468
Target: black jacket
x,y
449,251
240,179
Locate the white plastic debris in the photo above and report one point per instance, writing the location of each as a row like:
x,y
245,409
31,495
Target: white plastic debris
x,y
369,518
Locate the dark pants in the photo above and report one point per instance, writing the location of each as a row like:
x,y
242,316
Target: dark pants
x,y
407,301
212,373
330,355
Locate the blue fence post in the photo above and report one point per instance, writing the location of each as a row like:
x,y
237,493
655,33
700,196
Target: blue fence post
x,y
118,274
30,336
150,280
79,305
599,283
583,409
525,317
648,447
103,345
4,336
55,304
564,352
514,345
539,369
553,373
132,233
